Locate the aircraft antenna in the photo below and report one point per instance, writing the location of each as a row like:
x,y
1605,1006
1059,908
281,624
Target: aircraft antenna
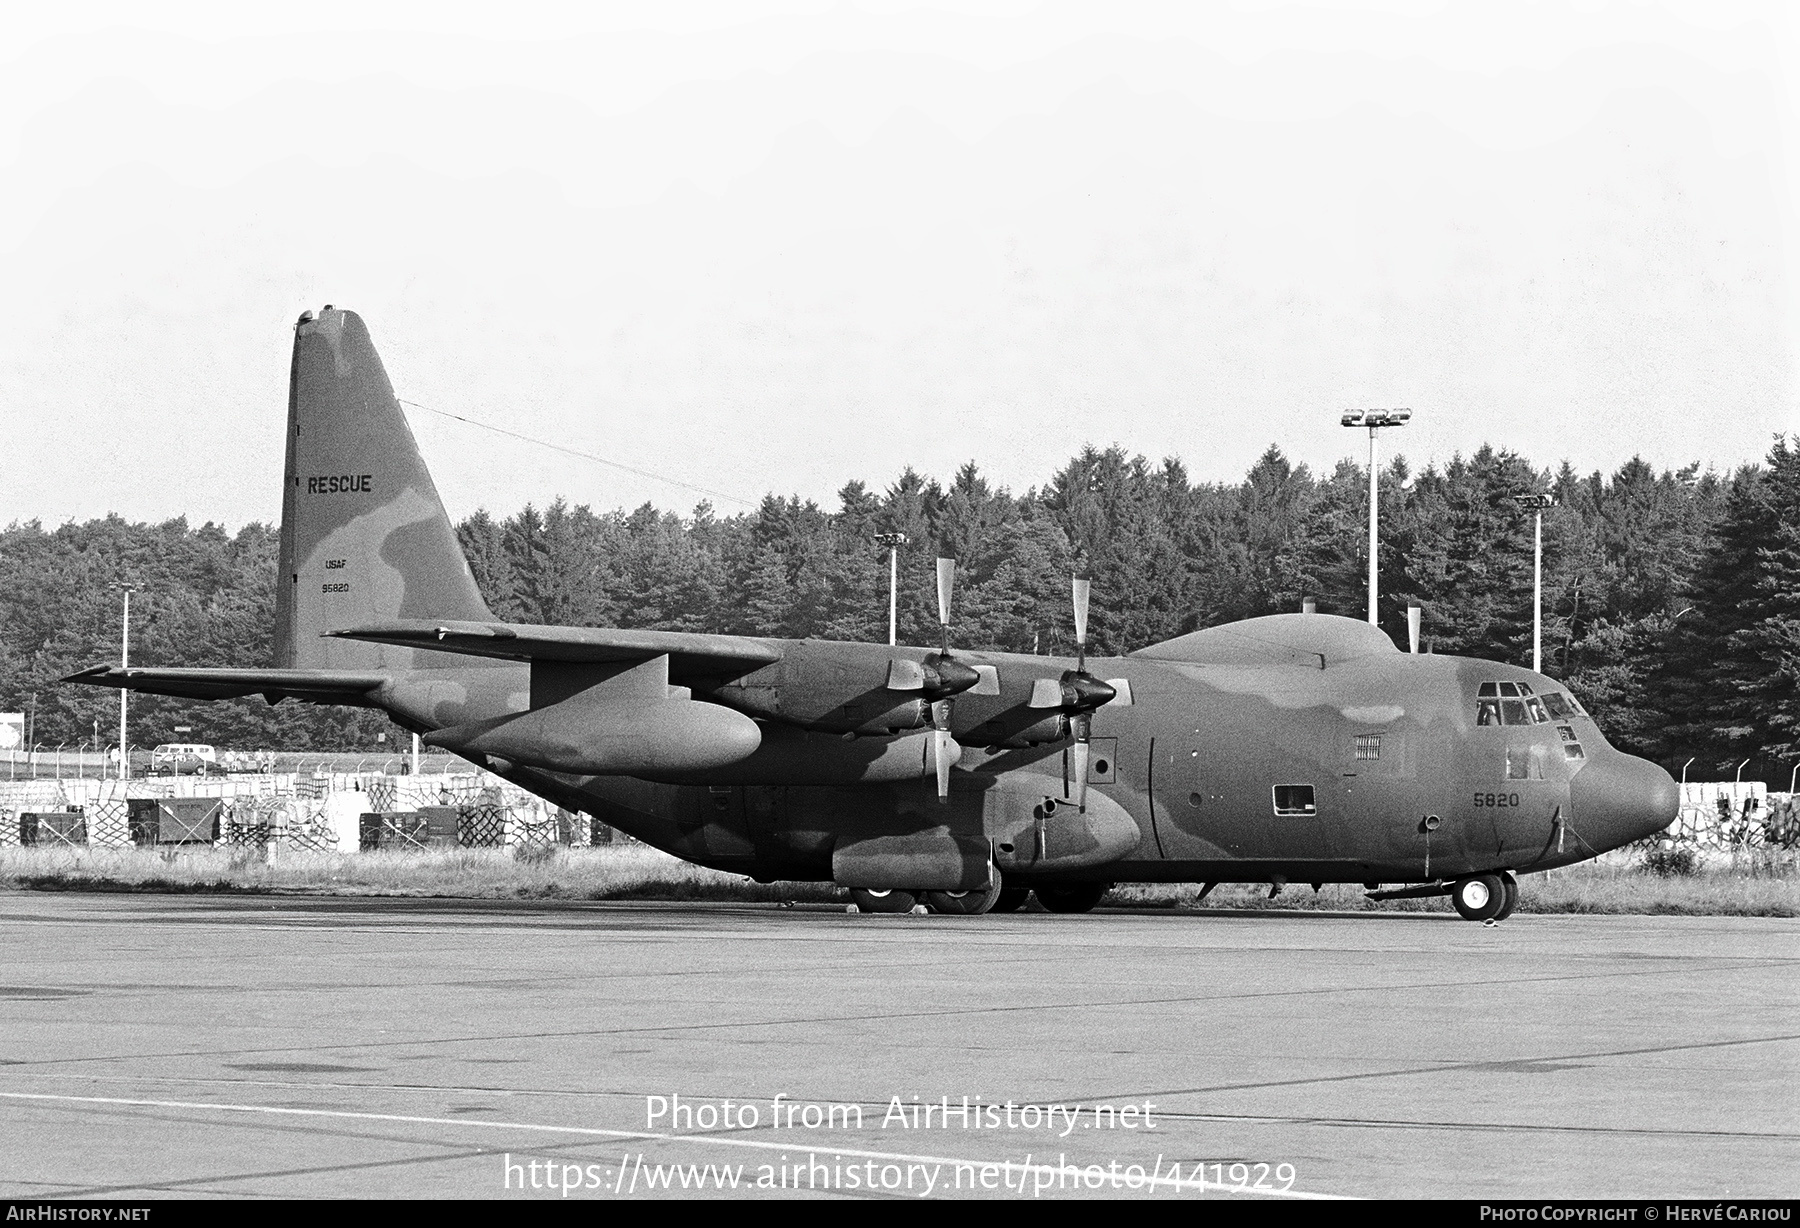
x,y
576,452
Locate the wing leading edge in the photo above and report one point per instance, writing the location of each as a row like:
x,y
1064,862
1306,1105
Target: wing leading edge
x,y
690,655
318,686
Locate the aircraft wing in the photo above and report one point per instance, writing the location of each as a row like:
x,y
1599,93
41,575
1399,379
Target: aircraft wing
x,y
690,655
327,686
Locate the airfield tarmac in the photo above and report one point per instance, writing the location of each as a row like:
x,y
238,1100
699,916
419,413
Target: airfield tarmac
x,y
297,1046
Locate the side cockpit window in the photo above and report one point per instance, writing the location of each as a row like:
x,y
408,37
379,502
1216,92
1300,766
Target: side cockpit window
x,y
1561,706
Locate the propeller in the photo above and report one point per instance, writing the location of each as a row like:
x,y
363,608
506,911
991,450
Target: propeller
x,y
948,671
1077,693
938,679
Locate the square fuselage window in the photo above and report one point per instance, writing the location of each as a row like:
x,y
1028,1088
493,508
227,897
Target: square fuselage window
x,y
1295,801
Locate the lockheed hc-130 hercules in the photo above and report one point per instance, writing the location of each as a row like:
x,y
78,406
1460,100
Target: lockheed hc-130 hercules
x,y
1302,748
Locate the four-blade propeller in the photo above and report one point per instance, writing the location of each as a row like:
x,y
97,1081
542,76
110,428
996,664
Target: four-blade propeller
x,y
1082,693
941,677
951,677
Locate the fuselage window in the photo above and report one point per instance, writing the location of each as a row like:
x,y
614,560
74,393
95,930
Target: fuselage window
x,y
1295,800
1368,746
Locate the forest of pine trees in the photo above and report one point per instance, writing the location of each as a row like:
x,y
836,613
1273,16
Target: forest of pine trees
x,y
1672,600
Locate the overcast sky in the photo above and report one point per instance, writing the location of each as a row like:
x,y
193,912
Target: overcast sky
x,y
762,247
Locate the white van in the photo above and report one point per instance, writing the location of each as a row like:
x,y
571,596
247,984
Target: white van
x,y
183,759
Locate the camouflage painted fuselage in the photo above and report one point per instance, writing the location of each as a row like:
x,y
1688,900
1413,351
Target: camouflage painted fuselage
x,y
1188,775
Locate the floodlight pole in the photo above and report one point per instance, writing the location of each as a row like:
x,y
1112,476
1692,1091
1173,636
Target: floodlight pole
x,y
1374,540
1374,419
893,541
124,663
1537,504
1537,592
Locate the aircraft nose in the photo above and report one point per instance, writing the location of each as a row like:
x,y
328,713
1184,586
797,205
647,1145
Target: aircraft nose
x,y
1622,798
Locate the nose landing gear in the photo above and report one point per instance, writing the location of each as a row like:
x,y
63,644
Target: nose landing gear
x,y
1485,897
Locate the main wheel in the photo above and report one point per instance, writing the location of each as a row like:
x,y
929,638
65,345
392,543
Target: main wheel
x,y
1076,897
1479,898
869,900
1011,899
1511,905
964,903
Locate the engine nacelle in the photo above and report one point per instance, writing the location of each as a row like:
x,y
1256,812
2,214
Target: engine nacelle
x,y
789,756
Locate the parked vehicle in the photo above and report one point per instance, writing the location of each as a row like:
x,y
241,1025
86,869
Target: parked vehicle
x,y
185,759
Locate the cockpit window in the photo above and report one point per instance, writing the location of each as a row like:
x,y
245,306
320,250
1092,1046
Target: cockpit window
x,y
1561,706
1514,703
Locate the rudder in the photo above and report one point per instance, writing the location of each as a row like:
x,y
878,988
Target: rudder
x,y
364,536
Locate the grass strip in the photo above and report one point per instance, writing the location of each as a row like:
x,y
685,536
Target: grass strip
x,y
1759,885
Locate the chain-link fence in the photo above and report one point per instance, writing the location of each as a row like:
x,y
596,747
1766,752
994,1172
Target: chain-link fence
x,y
316,812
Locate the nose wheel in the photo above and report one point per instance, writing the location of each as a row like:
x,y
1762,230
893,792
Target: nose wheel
x,y
1512,898
1484,897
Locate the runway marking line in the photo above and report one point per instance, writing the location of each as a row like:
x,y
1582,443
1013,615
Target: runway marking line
x,y
1372,1123
1007,1166
664,1029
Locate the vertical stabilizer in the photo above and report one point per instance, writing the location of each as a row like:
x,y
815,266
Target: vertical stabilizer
x,y
364,536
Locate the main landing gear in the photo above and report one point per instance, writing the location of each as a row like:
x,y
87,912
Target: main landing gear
x,y
867,900
1485,897
1069,898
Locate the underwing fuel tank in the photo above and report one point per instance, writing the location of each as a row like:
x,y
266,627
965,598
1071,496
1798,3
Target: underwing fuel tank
x,y
587,736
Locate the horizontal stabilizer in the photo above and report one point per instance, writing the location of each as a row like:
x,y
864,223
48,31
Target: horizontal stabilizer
x,y
690,655
318,686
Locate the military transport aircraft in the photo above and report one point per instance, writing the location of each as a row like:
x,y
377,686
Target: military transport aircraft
x,y
1300,748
